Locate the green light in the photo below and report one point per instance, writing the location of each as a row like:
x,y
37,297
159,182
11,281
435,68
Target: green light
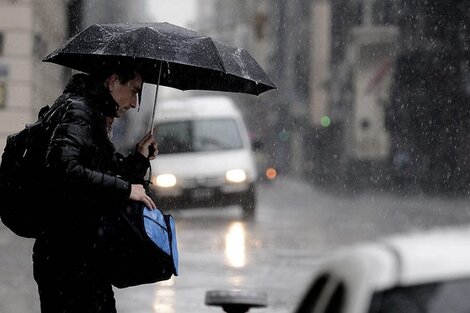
x,y
283,135
325,121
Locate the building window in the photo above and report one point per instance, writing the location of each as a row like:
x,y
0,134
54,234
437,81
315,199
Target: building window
x,y
3,74
39,46
3,94
1,43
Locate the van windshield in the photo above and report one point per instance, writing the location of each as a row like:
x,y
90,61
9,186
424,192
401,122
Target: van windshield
x,y
197,136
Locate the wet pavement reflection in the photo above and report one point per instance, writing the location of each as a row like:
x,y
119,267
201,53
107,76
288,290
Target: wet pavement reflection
x,y
275,252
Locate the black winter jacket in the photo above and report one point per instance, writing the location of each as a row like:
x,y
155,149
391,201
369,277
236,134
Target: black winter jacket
x,y
87,178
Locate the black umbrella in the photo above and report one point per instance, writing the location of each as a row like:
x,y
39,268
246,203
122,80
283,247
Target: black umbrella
x,y
186,60
167,55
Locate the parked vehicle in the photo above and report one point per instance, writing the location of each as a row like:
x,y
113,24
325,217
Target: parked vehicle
x,y
205,156
422,272
425,272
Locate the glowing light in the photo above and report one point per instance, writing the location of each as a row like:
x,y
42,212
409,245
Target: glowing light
x,y
165,180
164,297
236,175
235,245
271,173
237,280
325,121
283,135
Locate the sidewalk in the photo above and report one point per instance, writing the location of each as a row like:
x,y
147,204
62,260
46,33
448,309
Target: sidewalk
x,y
18,293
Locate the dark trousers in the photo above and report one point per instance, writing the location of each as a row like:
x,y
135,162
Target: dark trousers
x,y
71,280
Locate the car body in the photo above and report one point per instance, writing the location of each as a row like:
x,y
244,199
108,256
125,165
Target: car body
x,y
205,155
426,272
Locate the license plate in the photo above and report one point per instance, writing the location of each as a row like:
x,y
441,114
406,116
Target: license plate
x,y
202,193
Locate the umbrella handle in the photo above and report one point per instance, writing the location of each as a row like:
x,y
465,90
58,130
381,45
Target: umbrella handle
x,y
155,99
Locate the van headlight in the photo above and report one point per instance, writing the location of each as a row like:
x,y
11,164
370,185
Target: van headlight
x,y
235,175
164,180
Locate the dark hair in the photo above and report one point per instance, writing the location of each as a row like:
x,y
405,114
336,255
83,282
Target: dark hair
x,y
125,72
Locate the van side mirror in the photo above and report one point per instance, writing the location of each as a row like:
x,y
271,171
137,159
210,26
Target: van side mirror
x,y
257,145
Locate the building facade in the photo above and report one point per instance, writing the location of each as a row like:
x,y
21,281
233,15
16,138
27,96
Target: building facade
x,y
28,31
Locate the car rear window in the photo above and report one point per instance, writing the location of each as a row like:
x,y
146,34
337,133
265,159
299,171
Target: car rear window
x,y
198,136
327,295
447,296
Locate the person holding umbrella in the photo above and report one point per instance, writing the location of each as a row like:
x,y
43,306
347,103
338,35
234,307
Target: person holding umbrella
x,y
87,180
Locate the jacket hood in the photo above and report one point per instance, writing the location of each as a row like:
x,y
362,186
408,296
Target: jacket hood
x,y
88,87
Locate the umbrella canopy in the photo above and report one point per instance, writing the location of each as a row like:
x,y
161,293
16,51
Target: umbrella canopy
x,y
187,59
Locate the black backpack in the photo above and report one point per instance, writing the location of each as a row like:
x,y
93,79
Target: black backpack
x,y
22,183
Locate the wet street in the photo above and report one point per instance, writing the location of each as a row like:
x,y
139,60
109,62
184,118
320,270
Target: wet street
x,y
275,253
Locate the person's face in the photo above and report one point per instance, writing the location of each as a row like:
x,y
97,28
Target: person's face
x,y
125,95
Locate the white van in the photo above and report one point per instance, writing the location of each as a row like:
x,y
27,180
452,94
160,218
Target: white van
x,y
204,155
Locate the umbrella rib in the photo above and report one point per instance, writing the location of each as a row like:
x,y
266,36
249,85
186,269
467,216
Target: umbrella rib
x,y
221,62
142,33
106,30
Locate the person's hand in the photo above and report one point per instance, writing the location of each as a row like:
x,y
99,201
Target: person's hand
x,y
138,194
147,146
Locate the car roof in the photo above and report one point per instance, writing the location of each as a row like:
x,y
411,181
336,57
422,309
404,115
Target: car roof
x,y
405,259
197,107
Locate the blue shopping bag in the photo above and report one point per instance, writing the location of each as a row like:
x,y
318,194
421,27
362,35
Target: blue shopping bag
x,y
161,229
139,246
